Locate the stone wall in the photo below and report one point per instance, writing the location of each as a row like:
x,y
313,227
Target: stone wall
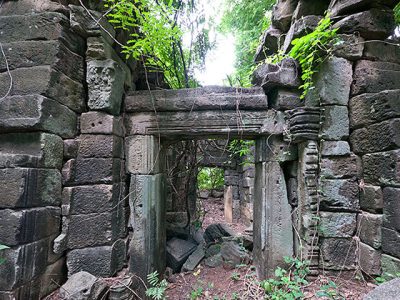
x,y
347,181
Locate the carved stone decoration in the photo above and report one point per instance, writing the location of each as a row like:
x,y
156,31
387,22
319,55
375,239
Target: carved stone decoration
x,y
303,124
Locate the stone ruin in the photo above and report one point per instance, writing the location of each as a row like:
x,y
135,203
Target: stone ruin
x,y
82,149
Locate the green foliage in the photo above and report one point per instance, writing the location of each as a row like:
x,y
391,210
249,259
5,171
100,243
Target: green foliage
x,y
235,276
311,51
243,149
196,294
385,277
246,20
3,247
287,284
329,291
157,288
210,178
397,13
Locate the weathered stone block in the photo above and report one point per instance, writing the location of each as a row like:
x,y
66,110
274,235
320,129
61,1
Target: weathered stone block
x,y
371,199
285,99
47,82
374,24
282,14
337,224
367,109
102,261
92,170
28,225
310,7
370,259
374,77
271,41
349,46
102,123
37,150
274,149
91,146
391,208
30,188
35,112
143,154
390,265
377,137
338,254
105,79
333,81
340,167
71,147
286,75
339,193
178,252
336,123
299,28
36,53
335,148
343,7
93,199
382,168
30,6
370,227
54,276
391,242
22,264
382,51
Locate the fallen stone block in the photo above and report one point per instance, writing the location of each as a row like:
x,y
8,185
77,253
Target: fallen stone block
x,y
370,228
389,291
28,225
35,150
178,252
367,109
375,77
94,122
370,259
374,24
214,261
37,113
194,259
382,168
215,233
335,224
376,137
78,286
54,276
233,254
29,187
390,265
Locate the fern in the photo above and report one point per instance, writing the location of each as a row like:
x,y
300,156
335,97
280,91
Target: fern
x,y
157,288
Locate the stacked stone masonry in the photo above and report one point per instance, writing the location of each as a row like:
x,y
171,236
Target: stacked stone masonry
x,y
81,152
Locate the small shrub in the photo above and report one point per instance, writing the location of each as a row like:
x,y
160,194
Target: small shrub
x,y
157,288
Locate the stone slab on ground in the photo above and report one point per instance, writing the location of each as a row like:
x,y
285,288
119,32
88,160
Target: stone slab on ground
x,y
194,259
215,233
178,251
388,291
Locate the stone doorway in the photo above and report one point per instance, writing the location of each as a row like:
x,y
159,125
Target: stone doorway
x,y
158,117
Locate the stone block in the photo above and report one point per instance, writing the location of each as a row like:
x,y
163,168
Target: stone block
x,y
71,147
78,286
391,208
370,228
178,252
54,276
282,14
335,148
375,77
35,150
371,199
333,81
275,149
284,75
376,137
28,225
105,79
339,194
92,170
374,24
340,167
22,264
23,188
390,265
337,224
370,259
25,54
382,168
100,146
31,6
194,259
285,99
299,28
45,81
102,261
270,43
391,242
34,113
367,109
343,7
338,254
101,123
90,230
349,46
90,199
382,51
310,7
143,154
336,123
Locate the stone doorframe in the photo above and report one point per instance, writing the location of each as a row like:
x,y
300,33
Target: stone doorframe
x,y
245,115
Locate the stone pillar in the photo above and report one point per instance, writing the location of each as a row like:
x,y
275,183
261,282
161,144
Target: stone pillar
x,y
228,204
273,235
147,204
